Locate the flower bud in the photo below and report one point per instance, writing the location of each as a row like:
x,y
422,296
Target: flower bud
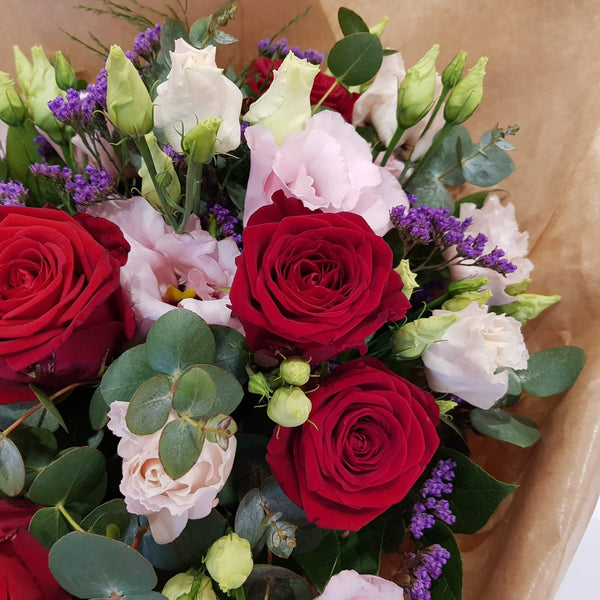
x,y
378,28
528,306
229,561
409,279
258,384
12,109
64,73
453,72
411,340
295,370
182,584
127,99
463,300
289,407
198,144
467,95
514,289
469,284
417,90
285,106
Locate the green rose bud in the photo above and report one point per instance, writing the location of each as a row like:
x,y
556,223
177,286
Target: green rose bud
x,y
165,174
127,99
229,561
295,370
528,306
514,289
463,300
65,75
471,284
198,144
453,72
411,340
467,95
289,407
182,583
12,109
409,279
417,90
285,106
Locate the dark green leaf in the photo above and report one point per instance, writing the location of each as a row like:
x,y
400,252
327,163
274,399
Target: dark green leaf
x,y
231,351
48,525
113,512
449,585
37,447
195,393
150,406
12,468
49,405
92,566
552,371
445,164
355,59
361,550
477,198
9,413
502,425
178,448
171,31
199,32
320,564
430,191
229,391
350,22
179,339
248,520
98,411
475,494
276,583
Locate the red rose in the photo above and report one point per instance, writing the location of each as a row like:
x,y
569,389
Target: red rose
x,y
261,75
62,312
24,572
371,435
319,283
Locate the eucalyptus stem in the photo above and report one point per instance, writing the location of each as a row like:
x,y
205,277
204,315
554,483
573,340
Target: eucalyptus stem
x,y
69,518
324,97
144,149
393,143
21,419
193,183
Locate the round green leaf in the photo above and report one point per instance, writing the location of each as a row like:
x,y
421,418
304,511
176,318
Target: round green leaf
x,y
248,519
113,512
350,22
356,59
277,583
231,351
195,393
150,406
502,425
178,448
48,525
487,168
92,566
12,468
229,391
76,479
37,447
179,339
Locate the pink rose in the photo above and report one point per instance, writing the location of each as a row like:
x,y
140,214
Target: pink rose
x,y
167,503
327,166
349,585
194,262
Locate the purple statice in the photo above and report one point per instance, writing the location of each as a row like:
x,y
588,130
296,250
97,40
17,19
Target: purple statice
x,y
54,173
44,147
73,109
178,159
243,128
433,506
425,566
97,91
134,58
221,218
280,49
147,43
12,193
96,188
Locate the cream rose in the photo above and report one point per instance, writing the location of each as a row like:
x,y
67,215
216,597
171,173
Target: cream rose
x,y
349,585
195,90
148,490
465,361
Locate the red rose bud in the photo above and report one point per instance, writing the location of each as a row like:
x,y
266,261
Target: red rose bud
x,y
371,435
62,312
318,282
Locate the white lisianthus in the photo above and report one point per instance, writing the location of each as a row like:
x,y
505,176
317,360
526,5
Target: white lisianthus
x,y
465,362
195,90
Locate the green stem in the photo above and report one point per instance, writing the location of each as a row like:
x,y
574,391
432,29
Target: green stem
x,y
144,149
438,105
21,419
324,97
193,183
239,593
69,518
392,145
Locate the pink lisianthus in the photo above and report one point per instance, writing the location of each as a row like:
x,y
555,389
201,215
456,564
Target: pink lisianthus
x,y
162,263
326,166
148,490
349,585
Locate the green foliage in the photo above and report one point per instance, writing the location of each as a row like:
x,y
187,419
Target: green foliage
x,y
150,406
350,22
178,448
449,585
48,525
506,426
12,468
355,59
48,405
276,583
37,447
111,513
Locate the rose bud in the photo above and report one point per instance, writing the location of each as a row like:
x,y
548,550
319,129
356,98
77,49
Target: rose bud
x,y
182,584
453,72
414,338
467,95
289,407
198,144
417,90
127,100
12,109
229,561
64,73
295,370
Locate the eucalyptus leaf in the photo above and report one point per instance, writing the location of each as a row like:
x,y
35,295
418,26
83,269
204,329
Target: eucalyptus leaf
x,y
37,447
98,411
195,393
320,564
449,585
93,566
276,583
355,59
502,425
229,391
430,191
487,167
231,351
150,406
178,448
49,405
199,31
221,38
177,340
361,550
171,31
9,413
350,22
12,468
477,198
552,371
248,520
113,512
48,525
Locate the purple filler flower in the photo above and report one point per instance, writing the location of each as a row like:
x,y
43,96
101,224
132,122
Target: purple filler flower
x,y
425,567
12,193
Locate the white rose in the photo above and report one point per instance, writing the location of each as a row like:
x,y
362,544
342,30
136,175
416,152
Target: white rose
x,y
465,361
498,224
195,90
149,491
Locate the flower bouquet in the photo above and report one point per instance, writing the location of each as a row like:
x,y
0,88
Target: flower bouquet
x,y
253,321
